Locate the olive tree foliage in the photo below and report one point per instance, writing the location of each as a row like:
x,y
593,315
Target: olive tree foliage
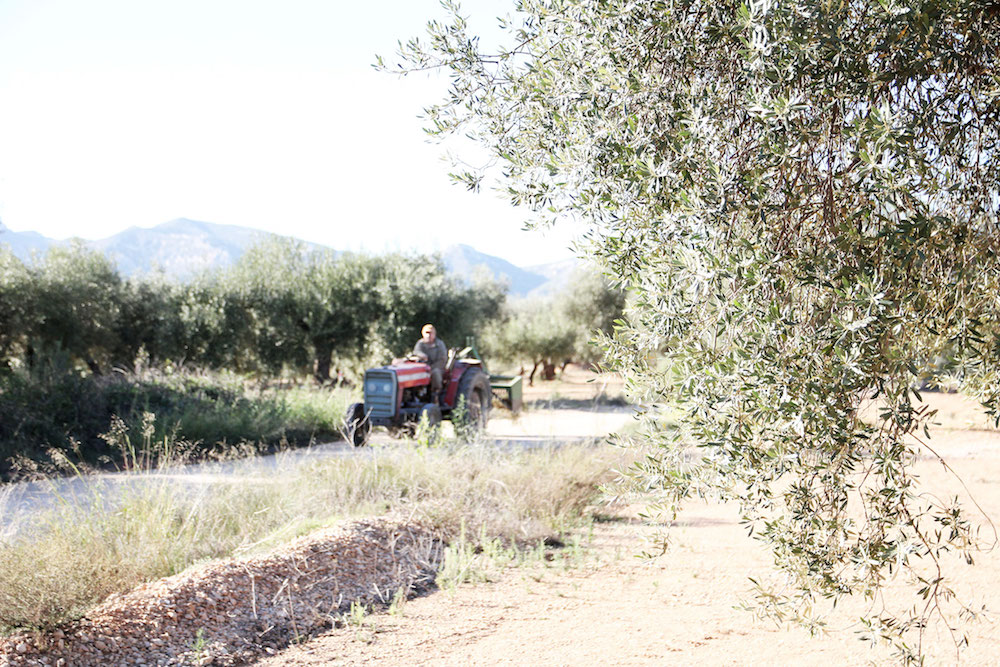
x,y
282,308
802,198
534,332
594,305
417,290
312,308
560,328
69,309
306,306
73,299
148,327
15,309
216,325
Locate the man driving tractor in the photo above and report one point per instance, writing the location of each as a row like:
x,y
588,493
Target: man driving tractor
x,y
432,384
432,349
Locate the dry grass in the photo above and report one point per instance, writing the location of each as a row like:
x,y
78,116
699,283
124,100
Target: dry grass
x,y
77,556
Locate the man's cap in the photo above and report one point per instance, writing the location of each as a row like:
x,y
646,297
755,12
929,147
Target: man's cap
x,y
427,327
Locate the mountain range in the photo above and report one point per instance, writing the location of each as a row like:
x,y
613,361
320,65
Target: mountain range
x,y
182,248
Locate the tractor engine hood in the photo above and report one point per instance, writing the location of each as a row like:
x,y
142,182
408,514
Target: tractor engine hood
x,y
411,373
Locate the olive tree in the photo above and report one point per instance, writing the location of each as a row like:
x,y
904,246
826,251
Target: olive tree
x,y
802,198
75,297
15,307
305,306
534,331
558,329
148,328
342,307
215,324
71,306
593,304
414,290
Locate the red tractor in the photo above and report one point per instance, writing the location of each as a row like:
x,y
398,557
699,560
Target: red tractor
x,y
398,396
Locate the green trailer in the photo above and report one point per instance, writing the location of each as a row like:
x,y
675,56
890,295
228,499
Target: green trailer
x,y
507,390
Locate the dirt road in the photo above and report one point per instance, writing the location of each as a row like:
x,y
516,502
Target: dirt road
x,y
608,607
615,609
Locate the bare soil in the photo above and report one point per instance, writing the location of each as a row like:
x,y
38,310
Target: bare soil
x,y
608,606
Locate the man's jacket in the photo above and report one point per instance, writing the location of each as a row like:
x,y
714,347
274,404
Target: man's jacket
x,y
436,352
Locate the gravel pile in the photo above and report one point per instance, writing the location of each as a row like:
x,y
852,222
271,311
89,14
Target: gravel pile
x,y
231,611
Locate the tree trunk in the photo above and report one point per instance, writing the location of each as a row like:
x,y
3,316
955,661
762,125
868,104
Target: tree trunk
x,y
549,371
531,378
321,369
562,369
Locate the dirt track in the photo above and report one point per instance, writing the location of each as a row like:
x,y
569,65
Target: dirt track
x,y
616,609
613,608
576,420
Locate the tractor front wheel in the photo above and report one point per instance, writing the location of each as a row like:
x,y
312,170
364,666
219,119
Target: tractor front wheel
x,y
356,425
432,413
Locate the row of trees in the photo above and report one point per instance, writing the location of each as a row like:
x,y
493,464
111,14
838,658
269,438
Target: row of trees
x,y
280,308
283,309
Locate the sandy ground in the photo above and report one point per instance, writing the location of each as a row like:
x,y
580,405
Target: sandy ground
x,y
607,606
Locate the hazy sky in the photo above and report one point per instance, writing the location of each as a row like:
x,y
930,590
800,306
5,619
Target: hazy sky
x,y
260,113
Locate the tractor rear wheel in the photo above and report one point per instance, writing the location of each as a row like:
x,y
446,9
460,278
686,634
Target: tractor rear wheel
x,y
474,391
356,425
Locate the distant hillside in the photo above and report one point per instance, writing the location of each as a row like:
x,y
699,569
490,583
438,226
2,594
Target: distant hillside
x,y
463,260
23,244
182,248
556,275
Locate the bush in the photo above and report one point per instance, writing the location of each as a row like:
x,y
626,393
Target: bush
x,y
57,417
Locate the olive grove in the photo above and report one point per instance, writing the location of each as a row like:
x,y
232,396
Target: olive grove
x,y
218,359
281,309
802,198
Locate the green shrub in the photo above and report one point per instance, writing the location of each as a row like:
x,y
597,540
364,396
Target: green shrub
x,y
61,416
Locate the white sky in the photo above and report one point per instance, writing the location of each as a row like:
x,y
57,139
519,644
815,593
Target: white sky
x,y
262,113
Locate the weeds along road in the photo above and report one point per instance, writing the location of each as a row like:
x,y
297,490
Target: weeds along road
x,y
22,504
